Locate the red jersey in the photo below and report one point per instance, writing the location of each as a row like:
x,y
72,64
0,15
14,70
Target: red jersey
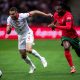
x,y
66,24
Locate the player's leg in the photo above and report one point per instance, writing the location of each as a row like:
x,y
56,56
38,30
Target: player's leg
x,y
42,59
77,52
22,50
29,44
25,57
27,60
76,46
36,54
68,56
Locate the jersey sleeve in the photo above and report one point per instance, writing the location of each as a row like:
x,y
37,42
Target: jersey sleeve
x,y
25,15
9,22
69,18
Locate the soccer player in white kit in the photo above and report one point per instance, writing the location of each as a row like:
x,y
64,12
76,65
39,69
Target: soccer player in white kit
x,y
25,35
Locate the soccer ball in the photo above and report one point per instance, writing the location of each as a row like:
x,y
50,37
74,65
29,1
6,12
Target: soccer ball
x,y
0,73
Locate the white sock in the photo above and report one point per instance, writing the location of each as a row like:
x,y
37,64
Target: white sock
x,y
36,54
28,61
73,67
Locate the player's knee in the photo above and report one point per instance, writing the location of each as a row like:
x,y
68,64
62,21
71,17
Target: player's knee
x,y
29,50
23,53
66,48
66,45
23,56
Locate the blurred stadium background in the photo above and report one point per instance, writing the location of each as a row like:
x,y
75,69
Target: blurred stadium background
x,y
47,43
42,5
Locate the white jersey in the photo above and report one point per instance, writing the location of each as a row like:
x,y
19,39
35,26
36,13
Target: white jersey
x,y
20,25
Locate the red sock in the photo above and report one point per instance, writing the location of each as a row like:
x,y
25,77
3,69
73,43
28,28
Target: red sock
x,y
68,57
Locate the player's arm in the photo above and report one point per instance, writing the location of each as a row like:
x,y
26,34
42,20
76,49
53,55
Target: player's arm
x,y
8,29
9,26
68,25
52,25
36,12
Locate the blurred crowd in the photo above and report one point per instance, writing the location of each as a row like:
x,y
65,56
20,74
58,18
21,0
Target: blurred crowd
x,y
46,6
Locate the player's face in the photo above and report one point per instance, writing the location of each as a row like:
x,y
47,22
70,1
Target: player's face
x,y
59,10
13,14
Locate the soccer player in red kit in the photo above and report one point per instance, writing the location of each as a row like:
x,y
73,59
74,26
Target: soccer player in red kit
x,y
63,20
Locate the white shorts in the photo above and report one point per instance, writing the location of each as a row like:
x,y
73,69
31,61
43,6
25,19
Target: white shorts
x,y
24,39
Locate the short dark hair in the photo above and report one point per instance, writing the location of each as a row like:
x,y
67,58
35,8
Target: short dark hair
x,y
65,6
13,9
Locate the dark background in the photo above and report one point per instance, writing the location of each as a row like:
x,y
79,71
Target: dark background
x,y
46,6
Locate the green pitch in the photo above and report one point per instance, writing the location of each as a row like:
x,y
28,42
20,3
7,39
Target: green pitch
x,y
14,68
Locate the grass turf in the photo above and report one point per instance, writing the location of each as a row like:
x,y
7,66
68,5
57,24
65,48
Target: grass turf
x,y
14,68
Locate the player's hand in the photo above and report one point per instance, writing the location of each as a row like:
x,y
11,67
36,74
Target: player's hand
x,y
49,15
52,26
6,36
